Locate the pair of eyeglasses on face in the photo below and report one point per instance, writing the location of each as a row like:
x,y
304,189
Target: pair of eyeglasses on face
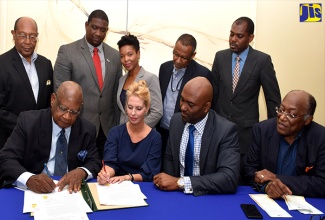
x,y
183,58
32,38
65,109
281,111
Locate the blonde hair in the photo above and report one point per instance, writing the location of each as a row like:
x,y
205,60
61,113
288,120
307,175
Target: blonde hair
x,y
141,90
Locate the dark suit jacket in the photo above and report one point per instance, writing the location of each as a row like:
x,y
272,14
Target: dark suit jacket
x,y
241,107
29,145
74,62
219,155
263,154
16,94
194,69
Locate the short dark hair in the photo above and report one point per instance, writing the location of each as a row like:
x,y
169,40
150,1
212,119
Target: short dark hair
x,y
187,40
311,105
129,40
249,22
16,23
98,14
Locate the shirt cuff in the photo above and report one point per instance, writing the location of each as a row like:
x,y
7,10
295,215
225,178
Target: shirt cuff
x,y
90,175
187,185
22,180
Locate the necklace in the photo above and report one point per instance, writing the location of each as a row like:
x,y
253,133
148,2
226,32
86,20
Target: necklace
x,y
178,84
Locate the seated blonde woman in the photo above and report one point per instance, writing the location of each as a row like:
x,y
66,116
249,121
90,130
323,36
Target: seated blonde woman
x,y
132,150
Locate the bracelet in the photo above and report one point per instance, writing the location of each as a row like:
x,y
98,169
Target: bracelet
x,y
132,178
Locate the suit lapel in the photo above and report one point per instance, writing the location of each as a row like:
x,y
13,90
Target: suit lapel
x,y
74,145
227,77
273,148
88,58
19,66
208,133
41,79
247,70
45,134
165,79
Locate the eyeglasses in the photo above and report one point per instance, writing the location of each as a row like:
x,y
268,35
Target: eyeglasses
x,y
288,115
23,37
65,109
183,58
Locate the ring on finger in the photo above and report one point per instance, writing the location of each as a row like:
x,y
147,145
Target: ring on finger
x,y
262,176
157,185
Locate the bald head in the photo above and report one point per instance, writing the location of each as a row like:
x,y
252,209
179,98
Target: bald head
x,y
200,87
70,90
24,21
196,99
304,99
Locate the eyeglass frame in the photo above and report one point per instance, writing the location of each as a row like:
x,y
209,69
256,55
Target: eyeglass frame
x,y
65,110
183,58
288,115
23,36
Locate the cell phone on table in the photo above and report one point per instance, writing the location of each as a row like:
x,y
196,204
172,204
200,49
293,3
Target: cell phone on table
x,y
251,211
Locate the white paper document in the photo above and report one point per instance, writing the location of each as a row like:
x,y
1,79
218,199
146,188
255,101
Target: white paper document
x,y
56,205
269,206
299,203
125,193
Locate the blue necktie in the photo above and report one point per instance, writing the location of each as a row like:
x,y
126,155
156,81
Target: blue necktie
x,y
61,155
189,155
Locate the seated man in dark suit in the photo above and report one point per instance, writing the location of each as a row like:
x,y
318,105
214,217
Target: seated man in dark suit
x,y
287,154
202,154
53,141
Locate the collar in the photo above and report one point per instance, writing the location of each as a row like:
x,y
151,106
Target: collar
x,y
91,47
199,126
242,55
33,57
56,129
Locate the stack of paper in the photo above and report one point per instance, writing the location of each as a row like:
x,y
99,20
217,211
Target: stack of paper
x,y
299,203
56,205
121,194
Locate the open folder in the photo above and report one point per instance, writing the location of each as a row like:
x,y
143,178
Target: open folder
x,y
90,193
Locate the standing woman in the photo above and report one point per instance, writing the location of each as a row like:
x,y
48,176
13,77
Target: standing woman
x,y
129,48
132,150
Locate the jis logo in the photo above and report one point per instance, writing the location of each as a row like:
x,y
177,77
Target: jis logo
x,y
310,12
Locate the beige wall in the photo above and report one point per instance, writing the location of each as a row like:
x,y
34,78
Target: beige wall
x,y
297,49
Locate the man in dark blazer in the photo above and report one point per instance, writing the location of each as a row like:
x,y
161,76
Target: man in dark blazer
x,y
256,69
287,154
75,62
216,151
25,77
173,75
29,155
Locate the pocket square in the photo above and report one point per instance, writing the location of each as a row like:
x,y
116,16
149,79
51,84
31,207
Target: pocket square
x,y
308,168
82,155
48,82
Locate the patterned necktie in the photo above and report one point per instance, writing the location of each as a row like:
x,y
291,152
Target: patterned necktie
x,y
189,155
236,74
61,155
98,68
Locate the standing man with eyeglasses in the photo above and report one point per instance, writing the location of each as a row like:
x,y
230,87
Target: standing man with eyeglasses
x,y
97,68
173,75
238,74
287,153
25,77
52,141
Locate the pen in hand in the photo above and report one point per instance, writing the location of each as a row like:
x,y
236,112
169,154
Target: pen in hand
x,y
104,168
48,173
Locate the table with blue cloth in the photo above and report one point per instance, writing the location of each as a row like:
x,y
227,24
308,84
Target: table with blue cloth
x,y
165,205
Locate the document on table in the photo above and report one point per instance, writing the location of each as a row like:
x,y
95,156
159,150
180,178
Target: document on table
x,y
125,193
56,205
269,206
299,203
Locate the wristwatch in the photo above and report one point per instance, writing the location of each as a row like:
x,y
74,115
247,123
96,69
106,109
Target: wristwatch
x,y
180,183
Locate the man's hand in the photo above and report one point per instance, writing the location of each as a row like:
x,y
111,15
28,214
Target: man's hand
x,y
164,181
40,183
73,179
276,189
263,176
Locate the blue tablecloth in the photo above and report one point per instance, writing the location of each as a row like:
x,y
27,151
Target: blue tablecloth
x,y
164,205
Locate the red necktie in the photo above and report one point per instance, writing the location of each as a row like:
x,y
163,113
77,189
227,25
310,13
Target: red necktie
x,y
98,68
236,74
